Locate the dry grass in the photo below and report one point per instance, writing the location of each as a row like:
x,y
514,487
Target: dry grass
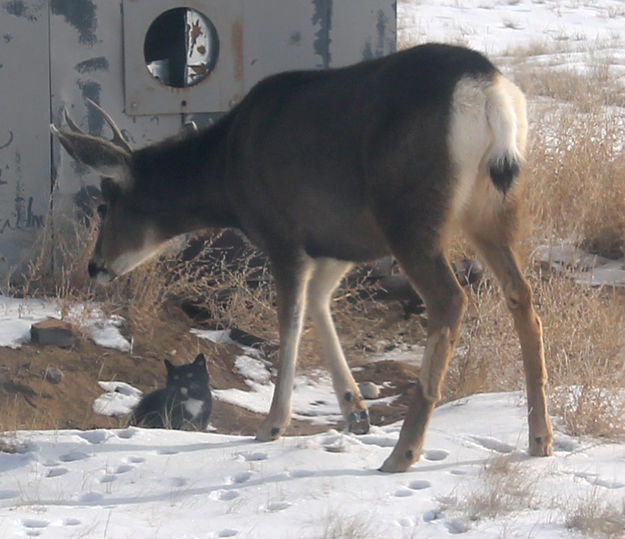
x,y
505,488
595,517
360,526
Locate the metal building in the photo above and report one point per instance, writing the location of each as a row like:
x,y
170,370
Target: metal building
x,y
153,65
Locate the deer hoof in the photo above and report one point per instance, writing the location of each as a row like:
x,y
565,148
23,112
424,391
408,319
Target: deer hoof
x,y
268,432
541,446
395,465
358,422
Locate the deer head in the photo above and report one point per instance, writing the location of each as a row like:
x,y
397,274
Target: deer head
x,y
128,236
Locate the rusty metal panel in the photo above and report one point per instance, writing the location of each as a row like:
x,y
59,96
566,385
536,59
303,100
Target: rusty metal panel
x,y
361,30
145,91
86,61
314,34
24,128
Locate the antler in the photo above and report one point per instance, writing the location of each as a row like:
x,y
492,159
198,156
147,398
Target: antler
x,y
118,139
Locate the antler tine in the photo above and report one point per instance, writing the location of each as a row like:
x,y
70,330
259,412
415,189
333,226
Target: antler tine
x,y
118,139
71,123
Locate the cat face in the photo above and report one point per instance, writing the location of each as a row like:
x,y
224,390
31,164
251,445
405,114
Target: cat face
x,y
189,381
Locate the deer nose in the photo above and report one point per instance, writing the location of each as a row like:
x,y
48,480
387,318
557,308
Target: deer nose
x,y
99,272
93,269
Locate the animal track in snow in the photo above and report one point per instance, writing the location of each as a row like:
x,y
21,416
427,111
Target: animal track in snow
x,y
242,477
403,493
124,468
107,478
419,484
56,472
90,497
227,495
73,456
457,526
95,436
228,533
126,434
136,460
492,444
435,454
595,481
35,523
252,457
177,481
278,506
565,443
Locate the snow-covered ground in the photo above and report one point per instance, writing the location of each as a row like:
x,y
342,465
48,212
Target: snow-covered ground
x,y
150,483
143,483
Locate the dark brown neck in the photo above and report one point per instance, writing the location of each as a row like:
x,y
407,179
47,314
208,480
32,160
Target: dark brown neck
x,y
180,181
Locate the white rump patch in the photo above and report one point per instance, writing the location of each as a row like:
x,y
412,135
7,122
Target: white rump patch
x,y
469,137
488,123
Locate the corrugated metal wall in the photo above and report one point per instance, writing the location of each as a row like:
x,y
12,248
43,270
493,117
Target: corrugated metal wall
x,y
56,53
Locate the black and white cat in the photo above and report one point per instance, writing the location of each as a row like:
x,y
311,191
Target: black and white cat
x,y
184,403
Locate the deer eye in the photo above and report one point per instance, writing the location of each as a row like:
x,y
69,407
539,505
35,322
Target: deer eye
x,y
102,211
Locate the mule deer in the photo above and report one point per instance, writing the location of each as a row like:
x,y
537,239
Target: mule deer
x,y
321,169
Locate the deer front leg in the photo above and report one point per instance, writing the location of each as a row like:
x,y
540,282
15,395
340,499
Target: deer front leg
x,y
445,302
291,284
326,277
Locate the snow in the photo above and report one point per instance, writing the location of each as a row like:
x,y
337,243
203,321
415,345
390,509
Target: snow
x,y
152,483
156,483
18,315
119,400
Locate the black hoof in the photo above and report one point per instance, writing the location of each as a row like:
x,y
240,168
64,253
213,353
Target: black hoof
x,y
358,422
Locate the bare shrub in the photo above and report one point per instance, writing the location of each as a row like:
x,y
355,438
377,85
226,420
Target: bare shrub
x,y
595,517
505,488
577,172
361,526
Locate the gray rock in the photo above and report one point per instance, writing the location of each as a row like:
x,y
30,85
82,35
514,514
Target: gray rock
x,y
53,375
369,390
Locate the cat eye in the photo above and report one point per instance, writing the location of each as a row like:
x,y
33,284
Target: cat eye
x,y
190,375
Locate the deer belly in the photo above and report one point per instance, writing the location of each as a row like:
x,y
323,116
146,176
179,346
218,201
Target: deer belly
x,y
354,241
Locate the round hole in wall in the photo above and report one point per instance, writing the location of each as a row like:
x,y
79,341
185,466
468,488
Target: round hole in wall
x,y
181,47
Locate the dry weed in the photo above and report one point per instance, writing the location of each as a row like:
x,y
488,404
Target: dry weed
x,y
505,488
594,517
359,526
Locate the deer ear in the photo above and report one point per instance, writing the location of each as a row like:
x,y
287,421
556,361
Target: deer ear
x,y
98,154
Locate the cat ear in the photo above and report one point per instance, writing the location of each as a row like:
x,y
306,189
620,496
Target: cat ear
x,y
200,360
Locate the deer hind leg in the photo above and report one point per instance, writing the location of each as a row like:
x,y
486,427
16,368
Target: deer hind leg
x,y
291,284
432,277
518,295
325,278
